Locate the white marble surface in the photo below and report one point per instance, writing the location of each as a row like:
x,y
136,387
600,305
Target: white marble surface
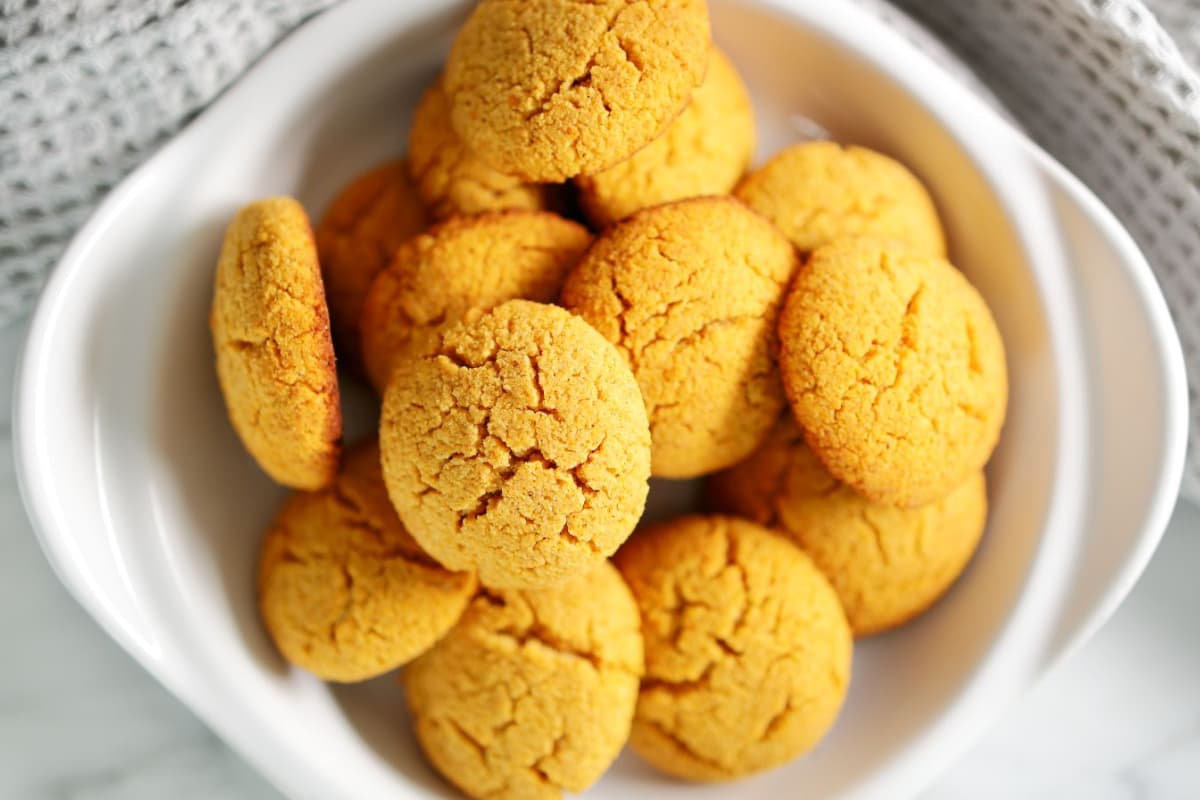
x,y
79,720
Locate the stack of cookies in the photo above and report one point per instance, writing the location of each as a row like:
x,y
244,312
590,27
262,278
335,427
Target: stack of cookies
x,y
795,335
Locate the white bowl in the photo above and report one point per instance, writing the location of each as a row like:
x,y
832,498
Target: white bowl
x,y
151,511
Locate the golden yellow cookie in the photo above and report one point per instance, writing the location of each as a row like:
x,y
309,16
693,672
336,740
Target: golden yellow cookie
x,y
452,180
344,590
270,330
887,564
533,692
690,292
747,649
894,369
704,151
549,89
519,447
816,192
474,262
371,217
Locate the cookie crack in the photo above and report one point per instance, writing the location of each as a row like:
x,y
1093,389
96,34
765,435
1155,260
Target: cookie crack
x,y
876,536
538,634
685,748
677,689
582,79
481,750
538,767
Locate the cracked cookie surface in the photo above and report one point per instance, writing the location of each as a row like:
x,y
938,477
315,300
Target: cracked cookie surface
x,y
454,181
549,89
690,292
343,589
747,649
356,238
469,263
274,353
816,192
894,369
533,691
518,446
887,564
704,151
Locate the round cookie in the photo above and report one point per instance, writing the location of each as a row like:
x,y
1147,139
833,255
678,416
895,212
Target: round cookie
x,y
475,262
518,447
887,564
344,590
549,89
816,192
452,180
894,369
704,151
371,217
274,354
533,692
690,292
747,649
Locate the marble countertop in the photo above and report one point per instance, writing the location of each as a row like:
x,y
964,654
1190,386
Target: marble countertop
x,y
79,720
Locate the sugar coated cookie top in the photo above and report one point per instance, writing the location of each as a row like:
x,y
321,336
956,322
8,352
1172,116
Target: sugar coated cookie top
x,y
894,369
888,564
344,590
747,649
532,693
690,293
519,446
451,179
816,192
466,263
549,89
704,151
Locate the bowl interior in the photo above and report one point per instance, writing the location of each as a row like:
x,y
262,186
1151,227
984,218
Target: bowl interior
x,y
179,508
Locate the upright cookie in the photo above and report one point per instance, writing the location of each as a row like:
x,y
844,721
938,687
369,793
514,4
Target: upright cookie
x,y
532,693
518,446
274,353
816,192
704,151
690,293
360,232
747,649
894,369
468,263
344,590
549,89
887,564
451,179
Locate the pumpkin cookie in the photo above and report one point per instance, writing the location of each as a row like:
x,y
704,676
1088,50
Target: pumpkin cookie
x,y
690,292
704,151
344,590
551,89
518,447
816,192
357,237
894,368
887,564
475,262
275,360
532,693
453,181
747,648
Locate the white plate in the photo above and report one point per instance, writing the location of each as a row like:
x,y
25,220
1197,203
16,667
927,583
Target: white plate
x,y
151,512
